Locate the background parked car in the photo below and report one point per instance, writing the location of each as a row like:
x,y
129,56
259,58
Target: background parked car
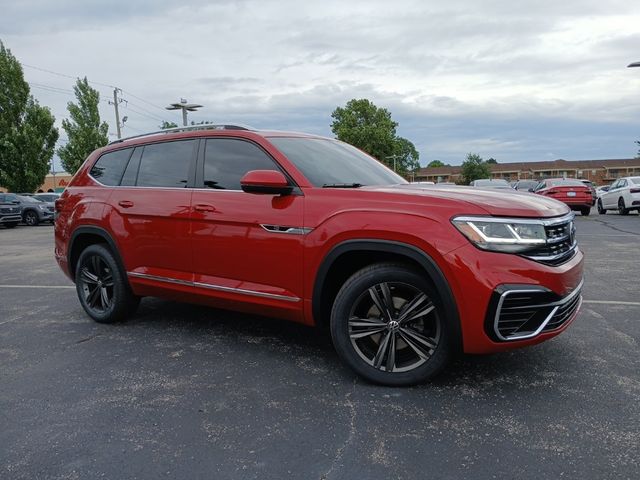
x,y
601,190
9,210
491,183
592,188
526,185
623,195
567,190
46,197
34,211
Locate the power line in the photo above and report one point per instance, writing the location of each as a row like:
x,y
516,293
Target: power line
x,y
148,114
143,100
64,75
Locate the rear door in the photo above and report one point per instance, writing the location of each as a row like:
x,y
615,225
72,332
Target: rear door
x,y
246,247
150,212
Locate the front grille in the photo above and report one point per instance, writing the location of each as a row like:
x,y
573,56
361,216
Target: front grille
x,y
522,312
560,246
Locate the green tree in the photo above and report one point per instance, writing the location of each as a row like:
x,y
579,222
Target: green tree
x,y
492,161
85,131
436,163
474,168
363,125
27,134
406,156
166,125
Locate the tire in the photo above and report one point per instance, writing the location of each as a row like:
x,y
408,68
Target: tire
x,y
102,286
387,349
30,218
601,209
585,212
11,224
621,207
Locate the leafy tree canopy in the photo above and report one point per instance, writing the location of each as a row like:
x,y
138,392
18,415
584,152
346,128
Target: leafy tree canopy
x,y
27,132
437,163
166,125
474,168
371,129
492,161
84,130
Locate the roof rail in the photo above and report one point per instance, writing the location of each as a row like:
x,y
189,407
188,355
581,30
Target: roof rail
x,y
205,126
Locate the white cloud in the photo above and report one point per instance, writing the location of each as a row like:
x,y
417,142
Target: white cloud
x,y
512,80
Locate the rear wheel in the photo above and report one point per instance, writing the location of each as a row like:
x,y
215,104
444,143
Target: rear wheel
x,y
102,286
622,210
389,326
585,211
31,218
601,209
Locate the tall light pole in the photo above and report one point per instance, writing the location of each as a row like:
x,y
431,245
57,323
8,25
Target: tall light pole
x,y
394,157
184,106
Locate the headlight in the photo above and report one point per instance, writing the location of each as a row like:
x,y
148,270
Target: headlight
x,y
510,235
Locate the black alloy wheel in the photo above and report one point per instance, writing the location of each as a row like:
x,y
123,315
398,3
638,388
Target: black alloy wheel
x,y
622,210
601,209
102,286
31,218
388,325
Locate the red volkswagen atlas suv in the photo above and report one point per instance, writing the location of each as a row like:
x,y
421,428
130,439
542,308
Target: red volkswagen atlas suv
x,y
312,230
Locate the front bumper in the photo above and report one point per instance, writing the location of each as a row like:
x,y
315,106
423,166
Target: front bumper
x,y
10,218
478,279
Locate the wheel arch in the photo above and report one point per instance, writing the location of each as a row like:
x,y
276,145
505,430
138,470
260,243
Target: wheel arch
x,y
87,235
349,256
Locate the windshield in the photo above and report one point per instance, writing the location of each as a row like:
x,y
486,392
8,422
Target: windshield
x,y
27,199
330,162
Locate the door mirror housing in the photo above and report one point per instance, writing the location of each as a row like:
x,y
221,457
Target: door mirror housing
x,y
270,182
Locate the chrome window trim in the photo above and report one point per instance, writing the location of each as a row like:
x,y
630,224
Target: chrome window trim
x,y
555,305
213,287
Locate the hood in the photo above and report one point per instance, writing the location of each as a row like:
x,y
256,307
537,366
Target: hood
x,y
498,202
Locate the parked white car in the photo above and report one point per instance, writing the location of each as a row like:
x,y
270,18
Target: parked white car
x,y
623,195
602,190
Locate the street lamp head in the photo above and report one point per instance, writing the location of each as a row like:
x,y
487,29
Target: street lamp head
x,y
634,64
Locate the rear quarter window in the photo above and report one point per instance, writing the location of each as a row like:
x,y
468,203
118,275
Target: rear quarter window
x,y
110,166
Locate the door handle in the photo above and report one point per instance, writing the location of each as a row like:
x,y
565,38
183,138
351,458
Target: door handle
x,y
204,207
125,203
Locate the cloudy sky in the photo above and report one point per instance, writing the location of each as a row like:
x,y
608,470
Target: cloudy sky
x,y
513,80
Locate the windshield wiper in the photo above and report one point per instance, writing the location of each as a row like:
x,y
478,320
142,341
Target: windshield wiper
x,y
342,185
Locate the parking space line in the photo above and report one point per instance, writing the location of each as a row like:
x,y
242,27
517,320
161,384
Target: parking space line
x,y
612,302
37,286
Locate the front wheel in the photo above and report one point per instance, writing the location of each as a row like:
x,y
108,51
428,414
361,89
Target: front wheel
x,y
601,209
388,324
31,218
102,286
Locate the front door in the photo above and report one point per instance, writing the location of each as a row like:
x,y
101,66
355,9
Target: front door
x,y
247,248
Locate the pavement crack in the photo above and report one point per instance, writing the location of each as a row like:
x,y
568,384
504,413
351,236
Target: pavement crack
x,y
91,337
335,466
607,224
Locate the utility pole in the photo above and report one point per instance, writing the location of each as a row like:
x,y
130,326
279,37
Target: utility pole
x,y
184,106
394,157
115,103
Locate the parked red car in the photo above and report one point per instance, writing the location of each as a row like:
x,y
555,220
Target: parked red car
x,y
574,193
312,230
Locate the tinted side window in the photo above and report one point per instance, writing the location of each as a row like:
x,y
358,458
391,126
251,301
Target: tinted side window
x,y
166,164
226,161
109,167
131,172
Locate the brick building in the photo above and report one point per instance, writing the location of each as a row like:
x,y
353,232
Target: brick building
x,y
601,172
52,183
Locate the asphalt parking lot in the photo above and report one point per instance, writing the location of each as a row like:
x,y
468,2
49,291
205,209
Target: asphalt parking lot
x,y
187,392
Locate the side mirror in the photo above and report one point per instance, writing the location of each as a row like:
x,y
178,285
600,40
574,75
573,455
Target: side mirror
x,y
270,182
